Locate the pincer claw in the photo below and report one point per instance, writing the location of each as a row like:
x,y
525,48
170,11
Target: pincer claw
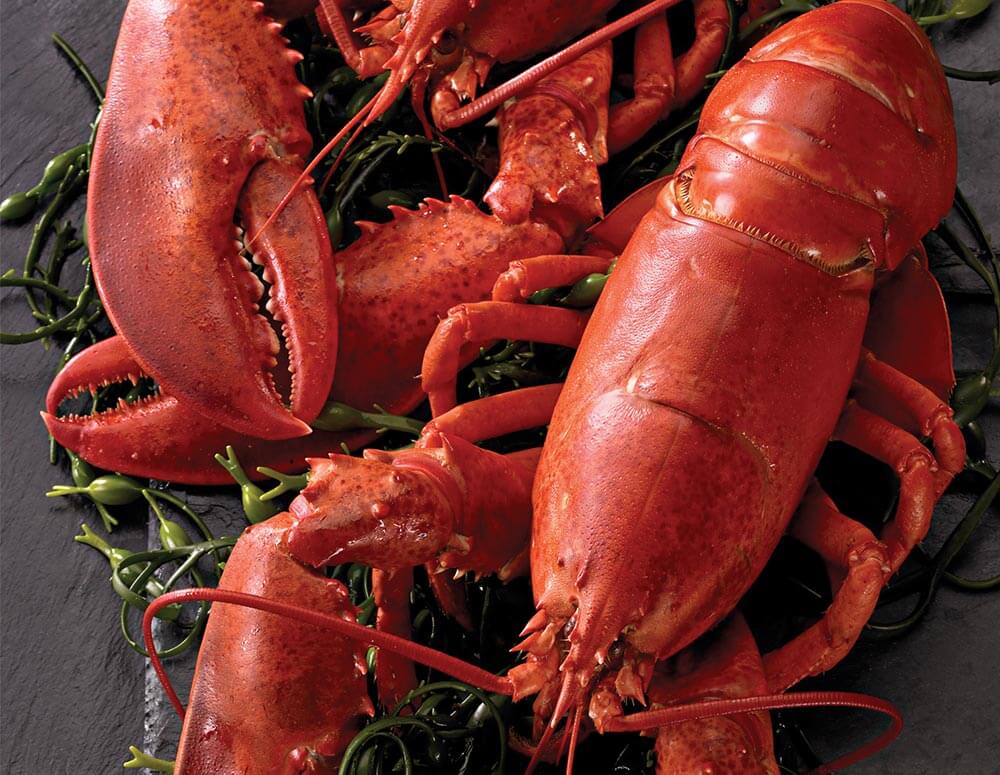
x,y
175,161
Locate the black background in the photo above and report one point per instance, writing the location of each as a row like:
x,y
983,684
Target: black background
x,y
74,696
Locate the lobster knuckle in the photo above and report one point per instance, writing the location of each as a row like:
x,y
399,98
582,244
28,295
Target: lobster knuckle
x,y
510,284
495,515
374,510
551,142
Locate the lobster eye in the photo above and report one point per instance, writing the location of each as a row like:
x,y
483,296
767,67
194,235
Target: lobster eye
x,y
447,52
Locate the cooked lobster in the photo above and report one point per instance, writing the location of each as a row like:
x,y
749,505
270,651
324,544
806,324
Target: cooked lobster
x,y
394,282
769,297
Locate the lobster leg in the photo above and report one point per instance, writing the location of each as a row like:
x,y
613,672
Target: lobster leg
x,y
523,278
467,323
914,407
848,546
499,415
487,321
915,466
712,25
654,85
663,83
395,674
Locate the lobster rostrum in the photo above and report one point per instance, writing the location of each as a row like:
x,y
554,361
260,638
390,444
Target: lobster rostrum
x,y
734,340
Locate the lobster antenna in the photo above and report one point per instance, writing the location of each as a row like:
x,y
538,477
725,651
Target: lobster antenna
x,y
574,737
517,85
307,172
463,671
536,757
471,674
340,158
678,714
418,91
331,13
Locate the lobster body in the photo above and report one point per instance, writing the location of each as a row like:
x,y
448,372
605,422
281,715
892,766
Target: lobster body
x,y
717,363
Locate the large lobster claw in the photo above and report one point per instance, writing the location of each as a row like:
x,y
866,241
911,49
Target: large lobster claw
x,y
203,119
159,436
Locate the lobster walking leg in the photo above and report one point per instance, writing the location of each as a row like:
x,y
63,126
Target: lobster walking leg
x,y
523,278
712,24
914,407
469,323
515,410
653,82
916,469
848,546
663,83
395,674
487,321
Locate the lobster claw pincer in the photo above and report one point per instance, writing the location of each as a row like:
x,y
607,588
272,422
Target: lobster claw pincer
x,y
176,159
158,436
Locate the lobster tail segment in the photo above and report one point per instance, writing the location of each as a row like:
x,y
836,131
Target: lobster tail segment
x,y
893,108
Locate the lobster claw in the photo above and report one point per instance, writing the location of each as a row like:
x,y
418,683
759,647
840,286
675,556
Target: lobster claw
x,y
160,437
175,160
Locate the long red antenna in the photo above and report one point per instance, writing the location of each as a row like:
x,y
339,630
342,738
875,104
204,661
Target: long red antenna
x,y
433,658
677,714
471,674
493,99
307,172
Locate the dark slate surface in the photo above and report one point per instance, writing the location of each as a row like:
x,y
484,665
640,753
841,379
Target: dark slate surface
x,y
74,697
